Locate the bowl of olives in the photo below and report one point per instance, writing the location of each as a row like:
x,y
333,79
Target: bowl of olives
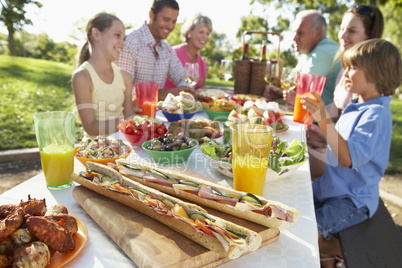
x,y
170,149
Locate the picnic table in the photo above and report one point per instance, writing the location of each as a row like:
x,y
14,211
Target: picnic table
x,y
296,246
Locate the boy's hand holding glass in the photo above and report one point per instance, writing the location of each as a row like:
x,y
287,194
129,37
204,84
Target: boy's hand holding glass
x,y
315,106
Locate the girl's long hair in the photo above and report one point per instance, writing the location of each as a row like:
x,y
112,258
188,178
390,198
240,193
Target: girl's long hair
x,y
101,21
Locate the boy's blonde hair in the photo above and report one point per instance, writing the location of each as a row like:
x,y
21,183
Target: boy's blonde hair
x,y
380,61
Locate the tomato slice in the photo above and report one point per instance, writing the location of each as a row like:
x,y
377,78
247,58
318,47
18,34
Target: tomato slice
x,y
151,201
121,188
258,212
204,228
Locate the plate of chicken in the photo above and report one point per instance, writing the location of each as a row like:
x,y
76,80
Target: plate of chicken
x,y
33,236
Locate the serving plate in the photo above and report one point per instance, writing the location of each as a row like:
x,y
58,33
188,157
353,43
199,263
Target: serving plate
x,y
286,127
81,237
102,161
285,172
222,167
225,168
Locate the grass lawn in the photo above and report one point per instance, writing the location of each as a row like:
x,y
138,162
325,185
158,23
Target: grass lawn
x,y
395,161
29,86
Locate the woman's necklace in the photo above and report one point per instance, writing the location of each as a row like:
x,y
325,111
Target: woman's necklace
x,y
191,57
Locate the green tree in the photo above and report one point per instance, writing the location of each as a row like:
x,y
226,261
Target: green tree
x,y
392,29
13,16
334,10
42,47
217,49
175,37
3,43
256,23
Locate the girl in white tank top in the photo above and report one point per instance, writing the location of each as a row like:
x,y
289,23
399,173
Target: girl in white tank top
x,y
102,91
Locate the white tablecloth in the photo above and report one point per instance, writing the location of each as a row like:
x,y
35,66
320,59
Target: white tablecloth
x,y
296,247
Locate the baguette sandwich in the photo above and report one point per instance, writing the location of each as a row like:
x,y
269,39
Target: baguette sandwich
x,y
247,206
226,238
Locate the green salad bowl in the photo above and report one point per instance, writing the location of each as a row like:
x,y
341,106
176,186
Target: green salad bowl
x,y
217,116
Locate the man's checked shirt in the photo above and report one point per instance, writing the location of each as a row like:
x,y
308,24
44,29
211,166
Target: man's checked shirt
x,y
140,60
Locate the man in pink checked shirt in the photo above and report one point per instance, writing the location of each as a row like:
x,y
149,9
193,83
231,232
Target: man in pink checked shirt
x,y
148,57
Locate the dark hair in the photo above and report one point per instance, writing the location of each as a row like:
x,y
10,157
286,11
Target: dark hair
x,y
102,22
158,5
371,16
380,61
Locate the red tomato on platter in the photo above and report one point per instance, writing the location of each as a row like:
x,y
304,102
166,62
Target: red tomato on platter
x,y
137,132
159,131
129,130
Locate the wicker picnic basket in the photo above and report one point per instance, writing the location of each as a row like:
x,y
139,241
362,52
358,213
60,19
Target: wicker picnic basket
x,y
249,74
242,76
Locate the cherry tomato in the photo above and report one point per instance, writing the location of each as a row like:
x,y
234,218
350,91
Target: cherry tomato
x,y
129,130
138,132
159,131
163,127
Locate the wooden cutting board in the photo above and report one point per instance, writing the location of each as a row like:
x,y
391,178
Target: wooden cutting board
x,y
148,242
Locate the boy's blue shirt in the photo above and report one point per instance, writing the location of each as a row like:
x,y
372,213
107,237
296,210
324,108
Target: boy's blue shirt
x,y
367,128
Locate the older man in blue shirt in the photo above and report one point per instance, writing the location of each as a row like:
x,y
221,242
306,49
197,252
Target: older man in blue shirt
x,y
317,54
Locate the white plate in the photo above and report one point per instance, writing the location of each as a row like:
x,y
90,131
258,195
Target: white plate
x,y
222,167
225,168
285,172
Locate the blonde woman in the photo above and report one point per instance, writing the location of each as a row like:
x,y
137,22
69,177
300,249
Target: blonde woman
x,y
196,35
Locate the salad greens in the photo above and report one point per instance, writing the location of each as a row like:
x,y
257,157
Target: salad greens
x,y
216,150
281,155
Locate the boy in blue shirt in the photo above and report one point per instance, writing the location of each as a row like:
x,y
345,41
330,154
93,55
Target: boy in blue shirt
x,y
358,145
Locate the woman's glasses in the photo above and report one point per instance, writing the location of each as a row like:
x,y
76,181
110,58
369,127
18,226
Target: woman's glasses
x,y
363,10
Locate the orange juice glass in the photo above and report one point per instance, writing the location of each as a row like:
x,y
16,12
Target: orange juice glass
x,y
55,134
56,163
251,144
147,97
306,84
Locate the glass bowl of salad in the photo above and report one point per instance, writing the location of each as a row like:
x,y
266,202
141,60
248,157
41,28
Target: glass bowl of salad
x,y
102,150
